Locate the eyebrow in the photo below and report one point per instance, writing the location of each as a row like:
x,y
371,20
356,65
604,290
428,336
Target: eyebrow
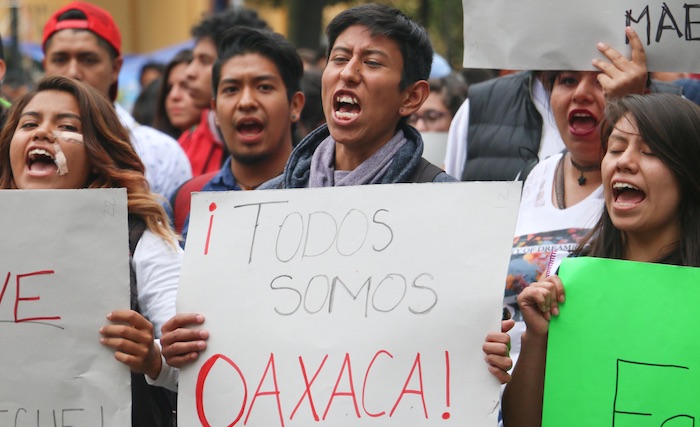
x,y
57,116
617,137
365,52
82,53
256,79
620,131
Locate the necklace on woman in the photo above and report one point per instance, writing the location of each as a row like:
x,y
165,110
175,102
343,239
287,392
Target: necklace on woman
x,y
582,169
559,183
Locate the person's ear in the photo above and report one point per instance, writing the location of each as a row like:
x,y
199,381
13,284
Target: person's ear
x,y
414,96
295,107
216,114
116,67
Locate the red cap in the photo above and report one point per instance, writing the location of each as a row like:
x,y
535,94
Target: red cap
x,y
98,20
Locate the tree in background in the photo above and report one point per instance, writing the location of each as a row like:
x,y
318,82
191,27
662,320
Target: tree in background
x,y
442,19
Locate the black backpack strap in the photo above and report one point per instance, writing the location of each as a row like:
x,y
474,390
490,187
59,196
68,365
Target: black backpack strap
x,y
424,172
136,228
151,406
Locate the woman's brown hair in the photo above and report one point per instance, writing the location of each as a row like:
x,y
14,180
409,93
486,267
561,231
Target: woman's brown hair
x,y
113,161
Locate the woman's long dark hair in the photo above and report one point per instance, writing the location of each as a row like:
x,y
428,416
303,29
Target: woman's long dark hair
x,y
670,125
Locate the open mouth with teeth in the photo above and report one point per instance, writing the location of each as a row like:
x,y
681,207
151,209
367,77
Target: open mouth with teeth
x,y
40,160
250,127
346,107
582,122
627,194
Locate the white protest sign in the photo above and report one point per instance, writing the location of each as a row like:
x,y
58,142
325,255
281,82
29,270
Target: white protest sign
x,y
352,306
434,146
562,34
64,267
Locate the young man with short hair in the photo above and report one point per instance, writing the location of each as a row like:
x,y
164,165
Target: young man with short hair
x,y
257,100
204,145
83,42
376,77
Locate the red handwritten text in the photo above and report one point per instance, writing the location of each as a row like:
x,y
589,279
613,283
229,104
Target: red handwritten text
x,y
20,281
319,405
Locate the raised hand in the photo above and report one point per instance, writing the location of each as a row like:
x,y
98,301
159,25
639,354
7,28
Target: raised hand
x,y
622,76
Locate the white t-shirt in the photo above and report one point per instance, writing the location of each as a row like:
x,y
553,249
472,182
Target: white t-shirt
x,y
167,165
157,266
544,234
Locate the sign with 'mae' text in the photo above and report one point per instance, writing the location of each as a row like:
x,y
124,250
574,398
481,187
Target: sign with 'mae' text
x,y
352,306
562,34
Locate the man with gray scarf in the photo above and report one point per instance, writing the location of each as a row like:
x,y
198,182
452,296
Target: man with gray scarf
x,y
367,95
378,65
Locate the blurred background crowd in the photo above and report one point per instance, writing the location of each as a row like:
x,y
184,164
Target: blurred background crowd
x,y
154,31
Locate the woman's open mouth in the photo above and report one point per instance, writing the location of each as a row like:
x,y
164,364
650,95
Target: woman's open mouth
x,y
626,194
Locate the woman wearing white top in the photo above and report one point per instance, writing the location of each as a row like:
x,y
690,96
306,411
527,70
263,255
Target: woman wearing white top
x,y
562,196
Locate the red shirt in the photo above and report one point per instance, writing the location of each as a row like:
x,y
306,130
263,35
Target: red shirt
x,y
203,145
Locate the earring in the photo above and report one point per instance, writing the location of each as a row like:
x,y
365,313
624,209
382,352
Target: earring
x,y
294,116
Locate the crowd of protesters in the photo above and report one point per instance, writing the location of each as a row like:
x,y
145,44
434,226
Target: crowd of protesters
x,y
607,159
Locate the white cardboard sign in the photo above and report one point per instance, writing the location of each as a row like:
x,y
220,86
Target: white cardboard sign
x,y
352,306
64,267
562,34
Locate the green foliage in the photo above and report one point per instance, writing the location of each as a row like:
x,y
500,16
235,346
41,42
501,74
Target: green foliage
x,y
443,21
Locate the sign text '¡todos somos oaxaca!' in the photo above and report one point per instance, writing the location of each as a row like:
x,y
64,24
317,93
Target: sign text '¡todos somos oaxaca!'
x,y
301,236
667,21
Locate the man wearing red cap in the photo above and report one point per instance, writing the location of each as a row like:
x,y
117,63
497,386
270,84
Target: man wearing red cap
x,y
82,41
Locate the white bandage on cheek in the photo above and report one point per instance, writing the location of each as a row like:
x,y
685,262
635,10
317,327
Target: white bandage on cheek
x,y
60,158
60,161
73,137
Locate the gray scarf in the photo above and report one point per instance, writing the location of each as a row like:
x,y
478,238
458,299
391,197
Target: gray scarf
x,y
371,171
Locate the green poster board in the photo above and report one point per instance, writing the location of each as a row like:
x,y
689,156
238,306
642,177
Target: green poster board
x,y
625,349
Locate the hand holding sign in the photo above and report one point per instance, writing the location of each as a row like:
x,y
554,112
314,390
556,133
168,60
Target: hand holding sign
x,y
131,335
497,348
539,302
623,76
181,345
